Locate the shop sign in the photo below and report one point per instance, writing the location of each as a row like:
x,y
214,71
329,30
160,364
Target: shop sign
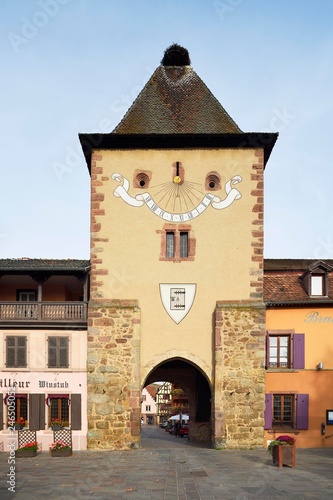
x,y
315,317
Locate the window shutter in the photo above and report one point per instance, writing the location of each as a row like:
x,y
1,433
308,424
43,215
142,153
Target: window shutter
x,y
298,350
76,424
41,411
36,412
10,356
1,411
22,351
52,352
302,411
63,352
268,415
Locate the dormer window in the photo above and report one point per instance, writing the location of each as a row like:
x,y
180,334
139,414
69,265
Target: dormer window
x,y
318,284
315,279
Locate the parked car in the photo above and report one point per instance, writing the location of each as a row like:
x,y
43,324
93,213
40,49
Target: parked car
x,y
183,431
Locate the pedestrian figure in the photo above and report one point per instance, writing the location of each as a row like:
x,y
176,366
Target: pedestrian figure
x,y
177,427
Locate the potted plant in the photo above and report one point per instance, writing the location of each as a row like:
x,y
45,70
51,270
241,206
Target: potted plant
x,y
56,424
27,450
283,450
60,449
19,423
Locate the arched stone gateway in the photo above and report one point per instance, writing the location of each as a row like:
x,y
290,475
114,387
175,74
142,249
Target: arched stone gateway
x,y
176,260
197,389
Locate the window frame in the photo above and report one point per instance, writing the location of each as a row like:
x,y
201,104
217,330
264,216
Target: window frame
x,y
29,291
21,410
322,277
296,349
15,349
300,416
59,410
278,348
284,422
58,350
177,243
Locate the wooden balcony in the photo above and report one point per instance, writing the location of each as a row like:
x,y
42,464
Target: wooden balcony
x,y
43,313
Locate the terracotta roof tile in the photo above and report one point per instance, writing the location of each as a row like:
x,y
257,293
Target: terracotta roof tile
x,y
283,283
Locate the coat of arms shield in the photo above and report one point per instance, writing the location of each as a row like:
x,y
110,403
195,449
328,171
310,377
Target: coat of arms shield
x,y
177,299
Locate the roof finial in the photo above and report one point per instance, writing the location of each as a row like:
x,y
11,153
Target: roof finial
x,y
175,55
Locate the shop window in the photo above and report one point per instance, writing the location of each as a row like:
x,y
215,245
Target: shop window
x,y
64,409
177,243
286,411
17,411
58,352
59,409
284,349
16,352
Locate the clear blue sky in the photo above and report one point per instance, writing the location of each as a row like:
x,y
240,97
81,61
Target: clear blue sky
x,y
71,66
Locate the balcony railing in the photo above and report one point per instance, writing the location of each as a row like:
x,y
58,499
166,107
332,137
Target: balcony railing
x,y
43,311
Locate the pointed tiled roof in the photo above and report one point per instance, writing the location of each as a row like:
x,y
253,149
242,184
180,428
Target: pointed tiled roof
x,y
175,100
176,110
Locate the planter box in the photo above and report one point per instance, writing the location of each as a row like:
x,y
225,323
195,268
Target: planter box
x,y
25,453
284,455
61,453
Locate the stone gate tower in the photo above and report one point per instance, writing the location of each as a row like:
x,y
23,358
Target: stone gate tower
x,y
176,260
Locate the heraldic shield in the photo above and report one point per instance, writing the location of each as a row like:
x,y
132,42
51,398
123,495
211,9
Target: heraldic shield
x,y
177,299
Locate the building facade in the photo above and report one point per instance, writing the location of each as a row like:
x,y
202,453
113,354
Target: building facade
x,y
299,376
177,263
43,329
148,405
176,290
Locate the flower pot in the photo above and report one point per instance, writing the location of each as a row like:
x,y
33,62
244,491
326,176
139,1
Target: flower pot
x,y
18,427
61,453
57,427
25,453
284,455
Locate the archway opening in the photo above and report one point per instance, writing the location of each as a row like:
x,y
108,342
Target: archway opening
x,y
182,394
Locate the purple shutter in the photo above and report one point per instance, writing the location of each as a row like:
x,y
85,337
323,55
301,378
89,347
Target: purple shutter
x,y
302,411
298,350
267,351
268,415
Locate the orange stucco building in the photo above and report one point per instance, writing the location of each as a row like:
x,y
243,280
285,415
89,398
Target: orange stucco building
x,y
299,346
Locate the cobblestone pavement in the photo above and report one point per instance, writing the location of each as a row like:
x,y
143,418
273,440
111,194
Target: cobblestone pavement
x,y
169,468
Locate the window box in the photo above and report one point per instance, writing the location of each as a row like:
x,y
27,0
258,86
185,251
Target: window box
x,y
25,453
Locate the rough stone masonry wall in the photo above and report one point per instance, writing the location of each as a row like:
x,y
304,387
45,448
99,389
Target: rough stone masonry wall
x,y
113,375
239,375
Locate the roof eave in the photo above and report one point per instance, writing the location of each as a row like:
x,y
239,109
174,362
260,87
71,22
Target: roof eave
x,y
298,303
246,140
